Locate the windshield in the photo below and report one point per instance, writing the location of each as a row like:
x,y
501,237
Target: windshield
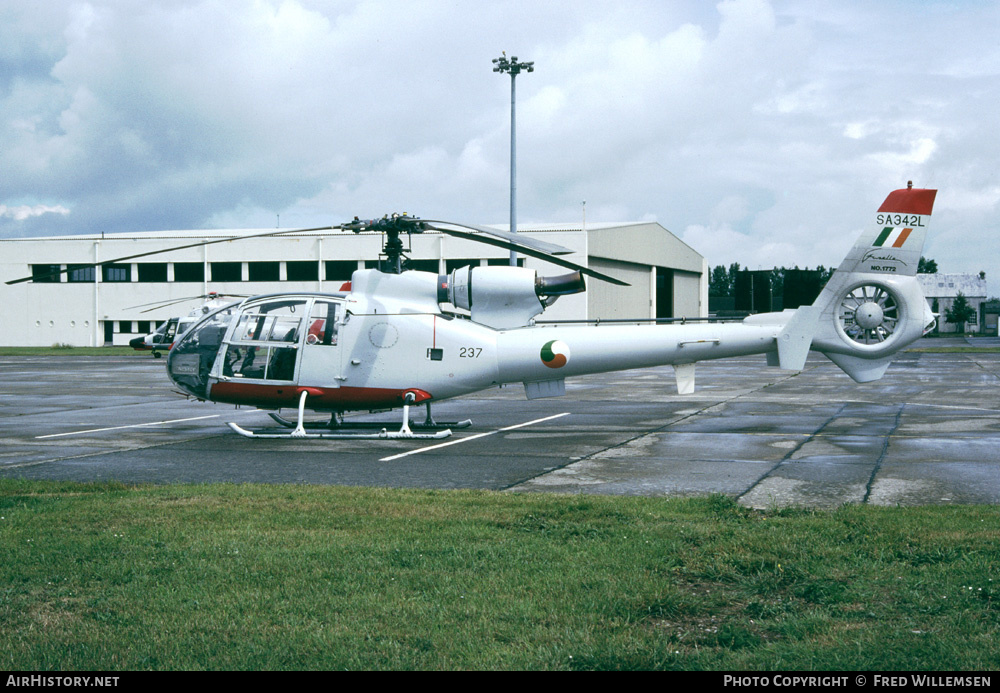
x,y
192,357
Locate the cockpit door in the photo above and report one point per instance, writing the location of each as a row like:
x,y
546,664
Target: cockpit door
x,y
263,343
321,353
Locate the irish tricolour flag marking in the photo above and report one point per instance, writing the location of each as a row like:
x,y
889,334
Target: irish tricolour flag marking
x,y
892,237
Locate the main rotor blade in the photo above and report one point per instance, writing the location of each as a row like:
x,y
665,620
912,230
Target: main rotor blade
x,y
541,255
503,239
519,239
163,303
168,250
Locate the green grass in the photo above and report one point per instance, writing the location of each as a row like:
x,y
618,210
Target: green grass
x,y
110,577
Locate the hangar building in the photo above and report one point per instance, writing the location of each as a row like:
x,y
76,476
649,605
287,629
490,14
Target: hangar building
x,y
941,291
84,306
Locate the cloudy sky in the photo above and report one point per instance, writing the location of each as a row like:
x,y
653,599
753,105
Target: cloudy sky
x,y
764,132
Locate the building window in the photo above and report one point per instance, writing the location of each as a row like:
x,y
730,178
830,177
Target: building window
x,y
302,270
116,273
80,273
227,271
422,265
46,274
142,327
124,327
152,272
189,272
264,271
452,265
340,270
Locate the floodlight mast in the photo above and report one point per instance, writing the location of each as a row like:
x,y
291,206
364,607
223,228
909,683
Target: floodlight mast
x,y
502,65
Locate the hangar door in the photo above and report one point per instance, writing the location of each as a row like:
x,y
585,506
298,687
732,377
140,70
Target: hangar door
x,y
664,292
607,301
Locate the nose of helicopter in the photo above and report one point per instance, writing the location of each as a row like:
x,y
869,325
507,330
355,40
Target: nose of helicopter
x,y
192,356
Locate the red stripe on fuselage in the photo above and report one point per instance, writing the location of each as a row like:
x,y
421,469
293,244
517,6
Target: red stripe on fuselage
x,y
909,201
320,398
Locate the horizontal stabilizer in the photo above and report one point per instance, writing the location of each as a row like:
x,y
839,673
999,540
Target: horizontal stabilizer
x,y
545,388
861,370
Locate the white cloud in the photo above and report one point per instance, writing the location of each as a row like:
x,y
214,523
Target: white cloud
x,y
22,212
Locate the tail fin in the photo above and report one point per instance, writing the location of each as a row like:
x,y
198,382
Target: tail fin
x,y
873,306
892,245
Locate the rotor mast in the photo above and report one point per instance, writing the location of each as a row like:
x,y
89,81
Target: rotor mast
x,y
392,225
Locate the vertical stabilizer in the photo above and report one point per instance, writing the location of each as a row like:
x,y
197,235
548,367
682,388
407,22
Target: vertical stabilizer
x,y
796,338
873,306
893,243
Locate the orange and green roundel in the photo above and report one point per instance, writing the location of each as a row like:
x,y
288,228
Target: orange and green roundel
x,y
555,354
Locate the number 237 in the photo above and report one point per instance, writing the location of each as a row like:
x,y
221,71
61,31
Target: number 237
x,y
470,352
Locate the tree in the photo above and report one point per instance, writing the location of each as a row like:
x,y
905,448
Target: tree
x,y
722,282
960,312
718,281
926,266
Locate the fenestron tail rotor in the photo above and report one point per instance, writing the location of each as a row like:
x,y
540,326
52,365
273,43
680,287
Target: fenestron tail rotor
x,y
869,314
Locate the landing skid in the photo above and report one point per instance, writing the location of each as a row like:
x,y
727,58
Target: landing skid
x,y
299,427
383,434
337,423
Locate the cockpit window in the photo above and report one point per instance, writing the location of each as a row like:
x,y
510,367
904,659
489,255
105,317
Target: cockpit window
x,y
277,321
259,362
323,325
192,357
258,340
257,348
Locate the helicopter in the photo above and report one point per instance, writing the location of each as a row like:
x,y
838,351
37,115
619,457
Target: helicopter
x,y
393,338
397,338
162,338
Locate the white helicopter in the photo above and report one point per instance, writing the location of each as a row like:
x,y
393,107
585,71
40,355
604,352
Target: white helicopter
x,y
162,338
398,338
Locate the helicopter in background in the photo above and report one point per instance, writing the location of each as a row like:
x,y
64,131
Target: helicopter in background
x,y
162,338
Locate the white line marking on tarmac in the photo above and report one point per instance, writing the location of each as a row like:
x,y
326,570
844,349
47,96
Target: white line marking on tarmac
x,y
118,428
468,438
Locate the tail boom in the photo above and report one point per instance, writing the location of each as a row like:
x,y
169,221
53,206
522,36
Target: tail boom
x,y
871,308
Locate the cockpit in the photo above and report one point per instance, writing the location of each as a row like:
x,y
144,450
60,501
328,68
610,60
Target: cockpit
x,y
258,340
